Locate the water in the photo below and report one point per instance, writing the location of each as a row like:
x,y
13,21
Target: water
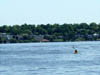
x,y
50,58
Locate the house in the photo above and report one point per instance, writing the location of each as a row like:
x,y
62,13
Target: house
x,y
96,35
60,37
5,35
38,37
9,37
19,37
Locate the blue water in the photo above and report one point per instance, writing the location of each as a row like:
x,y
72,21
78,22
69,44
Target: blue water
x,y
50,58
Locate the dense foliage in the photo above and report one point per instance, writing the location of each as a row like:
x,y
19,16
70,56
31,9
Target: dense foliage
x,y
53,32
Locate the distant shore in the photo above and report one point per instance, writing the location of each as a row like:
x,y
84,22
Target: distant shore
x,y
26,33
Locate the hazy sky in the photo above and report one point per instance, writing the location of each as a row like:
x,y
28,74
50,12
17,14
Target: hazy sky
x,y
49,11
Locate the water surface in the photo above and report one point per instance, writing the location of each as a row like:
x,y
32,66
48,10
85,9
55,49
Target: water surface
x,y
50,58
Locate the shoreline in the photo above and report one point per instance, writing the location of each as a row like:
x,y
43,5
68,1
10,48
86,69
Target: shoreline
x,y
50,42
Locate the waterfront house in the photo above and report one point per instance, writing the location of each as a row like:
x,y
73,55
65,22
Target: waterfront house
x,y
38,37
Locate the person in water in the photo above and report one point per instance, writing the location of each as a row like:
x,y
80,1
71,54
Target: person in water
x,y
75,52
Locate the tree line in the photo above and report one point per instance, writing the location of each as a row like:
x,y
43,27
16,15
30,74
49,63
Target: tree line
x,y
54,32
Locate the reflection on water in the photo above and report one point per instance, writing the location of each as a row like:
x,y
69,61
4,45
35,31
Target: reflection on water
x,y
50,58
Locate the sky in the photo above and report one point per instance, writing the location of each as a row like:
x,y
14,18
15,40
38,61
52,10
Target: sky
x,y
49,11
